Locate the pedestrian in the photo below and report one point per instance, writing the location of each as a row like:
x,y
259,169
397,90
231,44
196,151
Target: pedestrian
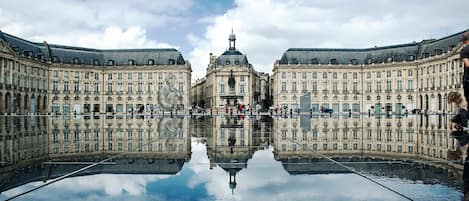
x,y
465,60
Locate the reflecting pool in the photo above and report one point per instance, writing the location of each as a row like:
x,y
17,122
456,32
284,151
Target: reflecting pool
x,y
228,158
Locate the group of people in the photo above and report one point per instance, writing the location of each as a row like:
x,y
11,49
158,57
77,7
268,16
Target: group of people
x,y
461,118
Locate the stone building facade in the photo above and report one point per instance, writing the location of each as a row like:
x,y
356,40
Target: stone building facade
x,y
44,78
230,81
391,79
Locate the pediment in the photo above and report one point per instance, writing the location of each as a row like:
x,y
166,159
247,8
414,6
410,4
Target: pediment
x,y
5,47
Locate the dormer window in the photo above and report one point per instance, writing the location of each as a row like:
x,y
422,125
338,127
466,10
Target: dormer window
x,y
315,61
293,61
353,61
438,51
55,59
131,62
369,61
237,62
411,57
39,56
171,61
75,61
96,62
110,62
227,62
27,53
151,62
425,55
390,59
334,61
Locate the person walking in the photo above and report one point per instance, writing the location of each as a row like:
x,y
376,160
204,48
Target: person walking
x,y
464,55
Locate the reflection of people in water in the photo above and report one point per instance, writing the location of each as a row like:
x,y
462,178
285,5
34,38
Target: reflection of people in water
x,y
460,120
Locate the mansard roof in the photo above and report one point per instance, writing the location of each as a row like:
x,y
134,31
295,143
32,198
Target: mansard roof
x,y
88,56
393,53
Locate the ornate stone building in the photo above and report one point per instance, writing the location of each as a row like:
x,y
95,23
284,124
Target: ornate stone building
x,y
395,79
230,80
41,77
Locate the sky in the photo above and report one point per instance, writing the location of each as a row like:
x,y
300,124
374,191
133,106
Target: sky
x,y
264,178
264,28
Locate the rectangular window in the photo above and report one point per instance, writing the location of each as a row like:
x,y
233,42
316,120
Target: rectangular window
x,y
109,76
140,75
150,76
119,76
410,84
109,87
66,86
129,87
149,86
129,76
181,86
293,86
284,86
284,75
139,87
241,88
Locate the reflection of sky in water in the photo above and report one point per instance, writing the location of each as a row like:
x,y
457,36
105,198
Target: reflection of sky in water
x,y
263,179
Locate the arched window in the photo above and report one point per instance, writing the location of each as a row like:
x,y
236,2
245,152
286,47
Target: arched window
x,y
110,62
334,61
390,59
354,62
131,62
369,61
151,62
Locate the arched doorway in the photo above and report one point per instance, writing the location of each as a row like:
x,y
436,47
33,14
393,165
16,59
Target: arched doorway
x,y
38,104
32,106
8,103
426,102
17,103
26,104
44,104
432,103
440,103
2,111
421,102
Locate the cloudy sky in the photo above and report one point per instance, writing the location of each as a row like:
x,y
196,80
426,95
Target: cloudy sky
x,y
264,28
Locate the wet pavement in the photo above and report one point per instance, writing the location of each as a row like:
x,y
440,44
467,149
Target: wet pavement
x,y
228,158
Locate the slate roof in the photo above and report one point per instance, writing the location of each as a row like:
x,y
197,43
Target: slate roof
x,y
232,57
396,53
89,56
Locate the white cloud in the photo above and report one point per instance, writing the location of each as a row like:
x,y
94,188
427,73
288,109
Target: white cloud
x,y
266,28
97,24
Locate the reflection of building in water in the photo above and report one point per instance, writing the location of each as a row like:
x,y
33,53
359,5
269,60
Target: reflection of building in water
x,y
155,146
364,144
231,143
23,139
75,136
412,137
